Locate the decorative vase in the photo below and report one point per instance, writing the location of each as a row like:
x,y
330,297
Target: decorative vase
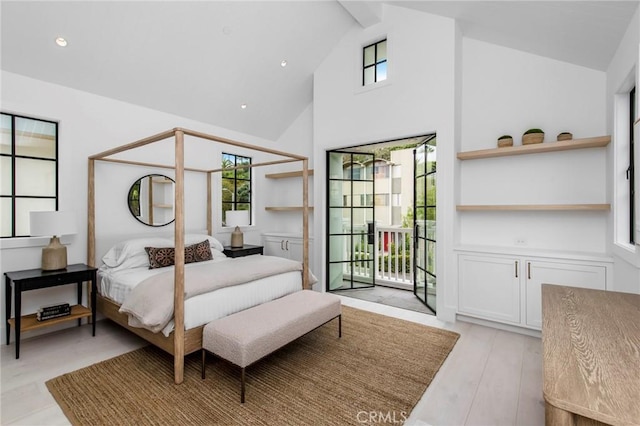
x,y
532,138
505,141
565,136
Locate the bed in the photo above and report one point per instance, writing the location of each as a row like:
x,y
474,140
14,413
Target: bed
x,y
183,334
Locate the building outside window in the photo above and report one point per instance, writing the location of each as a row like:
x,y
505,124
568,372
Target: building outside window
x,y
28,170
236,184
374,63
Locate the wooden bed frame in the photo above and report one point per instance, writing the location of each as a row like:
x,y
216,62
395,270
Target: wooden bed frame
x,y
182,342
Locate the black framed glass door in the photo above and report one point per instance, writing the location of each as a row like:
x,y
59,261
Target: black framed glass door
x,y
424,223
351,218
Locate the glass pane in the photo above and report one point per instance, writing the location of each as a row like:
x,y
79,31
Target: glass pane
x,y
339,221
382,51
381,71
227,191
35,177
228,160
225,208
26,205
336,194
340,248
363,248
35,138
420,188
369,55
5,175
361,217
244,173
243,206
243,193
336,170
420,161
431,225
336,276
5,134
369,75
431,158
5,212
431,257
431,190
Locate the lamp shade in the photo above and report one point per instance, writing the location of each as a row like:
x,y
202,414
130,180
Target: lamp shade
x,y
237,218
52,223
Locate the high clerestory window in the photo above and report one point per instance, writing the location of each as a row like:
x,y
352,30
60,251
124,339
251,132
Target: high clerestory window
x,y
374,63
28,170
236,184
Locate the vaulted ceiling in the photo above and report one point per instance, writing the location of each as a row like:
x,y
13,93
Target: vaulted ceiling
x,y
204,59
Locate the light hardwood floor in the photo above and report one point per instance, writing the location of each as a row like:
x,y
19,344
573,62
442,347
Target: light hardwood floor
x,y
492,377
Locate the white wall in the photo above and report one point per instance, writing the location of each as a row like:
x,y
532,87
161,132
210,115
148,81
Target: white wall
x,y
506,91
418,98
622,74
90,124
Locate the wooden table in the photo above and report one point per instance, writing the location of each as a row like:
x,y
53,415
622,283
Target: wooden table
x,y
591,356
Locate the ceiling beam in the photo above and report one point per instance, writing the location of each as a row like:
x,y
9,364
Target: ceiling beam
x,y
367,13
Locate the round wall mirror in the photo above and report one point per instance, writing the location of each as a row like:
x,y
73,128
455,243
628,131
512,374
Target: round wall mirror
x,y
151,199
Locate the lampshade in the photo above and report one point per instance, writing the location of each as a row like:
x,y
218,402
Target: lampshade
x,y
237,218
52,223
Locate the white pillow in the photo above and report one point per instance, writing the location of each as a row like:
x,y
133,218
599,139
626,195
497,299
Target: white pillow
x,y
196,238
131,253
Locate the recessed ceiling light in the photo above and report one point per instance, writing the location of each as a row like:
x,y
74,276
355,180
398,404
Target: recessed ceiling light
x,y
283,63
61,41
243,106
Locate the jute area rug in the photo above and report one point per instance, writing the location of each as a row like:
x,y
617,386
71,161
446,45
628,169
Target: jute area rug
x,y
375,373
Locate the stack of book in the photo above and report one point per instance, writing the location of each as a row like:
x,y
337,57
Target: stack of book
x,y
53,311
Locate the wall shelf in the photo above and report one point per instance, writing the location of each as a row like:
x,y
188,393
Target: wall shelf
x,y
286,209
284,175
596,142
534,207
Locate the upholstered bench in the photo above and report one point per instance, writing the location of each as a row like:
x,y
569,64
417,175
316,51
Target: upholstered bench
x,y
247,336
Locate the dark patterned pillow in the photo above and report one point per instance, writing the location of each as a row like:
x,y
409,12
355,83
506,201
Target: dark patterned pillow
x,y
165,256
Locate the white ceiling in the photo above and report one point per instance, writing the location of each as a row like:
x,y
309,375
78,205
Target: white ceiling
x,y
203,59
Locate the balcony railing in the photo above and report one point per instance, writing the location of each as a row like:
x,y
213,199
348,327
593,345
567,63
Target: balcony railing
x,y
392,252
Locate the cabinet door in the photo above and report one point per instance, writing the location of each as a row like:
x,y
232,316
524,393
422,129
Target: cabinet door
x,y
489,287
274,247
573,275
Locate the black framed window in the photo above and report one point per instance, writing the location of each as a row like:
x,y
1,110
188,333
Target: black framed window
x,y
374,62
28,170
631,169
236,184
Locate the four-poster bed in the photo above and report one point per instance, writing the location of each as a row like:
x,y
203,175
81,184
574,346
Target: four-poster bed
x,y
182,342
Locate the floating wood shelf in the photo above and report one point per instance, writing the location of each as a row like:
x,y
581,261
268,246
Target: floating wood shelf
x,y
286,209
597,142
284,175
533,207
163,206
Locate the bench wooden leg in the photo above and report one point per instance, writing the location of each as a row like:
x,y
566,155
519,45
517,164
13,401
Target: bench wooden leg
x,y
242,385
204,355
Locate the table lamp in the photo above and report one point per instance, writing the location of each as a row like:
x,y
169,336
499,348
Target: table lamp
x,y
54,224
237,218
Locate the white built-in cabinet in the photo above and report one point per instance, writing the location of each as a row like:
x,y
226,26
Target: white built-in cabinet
x,y
507,288
286,245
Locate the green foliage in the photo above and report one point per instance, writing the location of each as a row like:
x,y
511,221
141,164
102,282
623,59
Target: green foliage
x,y
505,137
533,131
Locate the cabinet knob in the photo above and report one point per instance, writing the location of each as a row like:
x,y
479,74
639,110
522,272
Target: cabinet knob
x,y
516,269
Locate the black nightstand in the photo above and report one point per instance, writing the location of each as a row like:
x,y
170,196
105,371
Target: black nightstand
x,y
245,250
33,279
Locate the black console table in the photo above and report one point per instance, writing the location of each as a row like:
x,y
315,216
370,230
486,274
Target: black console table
x,y
33,279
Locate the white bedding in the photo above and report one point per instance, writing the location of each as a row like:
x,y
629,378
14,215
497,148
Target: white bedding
x,y
204,308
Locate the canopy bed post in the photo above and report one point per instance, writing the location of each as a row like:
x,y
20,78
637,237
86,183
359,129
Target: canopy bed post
x,y
209,205
178,291
91,216
305,224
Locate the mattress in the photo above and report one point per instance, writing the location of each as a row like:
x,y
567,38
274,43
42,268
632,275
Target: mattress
x,y
204,308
